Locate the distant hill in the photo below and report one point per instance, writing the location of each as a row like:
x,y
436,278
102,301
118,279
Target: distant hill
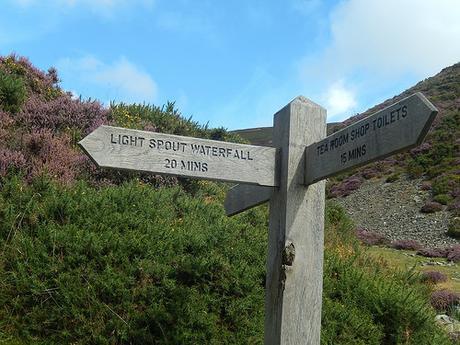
x,y
263,135
257,136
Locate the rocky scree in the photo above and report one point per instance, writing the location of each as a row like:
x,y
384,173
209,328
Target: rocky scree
x,y
393,210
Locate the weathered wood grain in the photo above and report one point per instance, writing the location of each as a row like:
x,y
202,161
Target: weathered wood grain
x,y
243,197
398,127
295,253
122,148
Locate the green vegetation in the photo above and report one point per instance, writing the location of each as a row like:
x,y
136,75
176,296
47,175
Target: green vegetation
x,y
12,92
132,264
393,177
104,257
443,199
127,264
438,160
454,228
404,260
166,119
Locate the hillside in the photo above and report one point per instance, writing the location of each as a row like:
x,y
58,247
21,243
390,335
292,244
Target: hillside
x,y
429,175
90,256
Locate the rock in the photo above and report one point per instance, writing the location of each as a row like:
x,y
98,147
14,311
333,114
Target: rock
x,y
449,324
444,319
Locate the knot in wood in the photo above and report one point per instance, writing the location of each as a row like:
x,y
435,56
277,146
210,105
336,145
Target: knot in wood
x,y
289,254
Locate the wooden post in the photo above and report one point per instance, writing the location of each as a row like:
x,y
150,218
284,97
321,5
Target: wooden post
x,y
296,235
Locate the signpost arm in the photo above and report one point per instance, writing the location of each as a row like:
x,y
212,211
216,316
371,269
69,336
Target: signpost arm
x,y
295,253
244,196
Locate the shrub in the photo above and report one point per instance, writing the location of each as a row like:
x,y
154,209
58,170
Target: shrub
x,y
345,187
370,238
443,199
165,119
369,173
431,207
12,92
442,300
52,155
454,207
414,169
339,229
454,228
444,184
433,277
393,177
360,330
63,113
128,264
433,252
406,245
11,161
453,254
436,158
425,185
399,310
423,148
36,81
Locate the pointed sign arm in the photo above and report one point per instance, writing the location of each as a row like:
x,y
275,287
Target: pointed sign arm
x,y
242,197
130,149
400,126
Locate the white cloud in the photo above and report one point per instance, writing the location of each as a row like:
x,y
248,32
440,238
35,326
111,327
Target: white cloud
x,y
395,36
375,44
339,99
121,80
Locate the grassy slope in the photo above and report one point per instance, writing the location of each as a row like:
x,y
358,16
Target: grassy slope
x,y
407,260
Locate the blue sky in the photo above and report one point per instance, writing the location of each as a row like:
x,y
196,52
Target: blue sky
x,y
235,63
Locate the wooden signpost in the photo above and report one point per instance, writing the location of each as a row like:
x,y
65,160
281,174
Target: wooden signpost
x,y
289,176
399,127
